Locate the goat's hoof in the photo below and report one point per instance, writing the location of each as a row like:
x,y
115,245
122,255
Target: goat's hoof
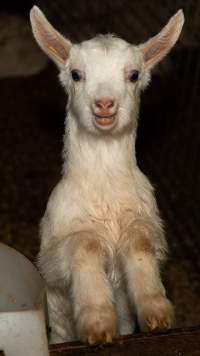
x,y
97,326
156,314
101,338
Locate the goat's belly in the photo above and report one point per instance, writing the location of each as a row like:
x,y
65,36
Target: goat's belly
x,y
124,310
115,274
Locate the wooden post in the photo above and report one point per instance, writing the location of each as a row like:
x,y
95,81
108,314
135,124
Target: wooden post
x,y
177,342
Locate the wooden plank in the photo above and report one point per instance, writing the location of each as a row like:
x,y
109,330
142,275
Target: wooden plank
x,y
177,342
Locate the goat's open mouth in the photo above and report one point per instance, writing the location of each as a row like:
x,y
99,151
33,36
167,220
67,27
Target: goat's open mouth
x,y
104,120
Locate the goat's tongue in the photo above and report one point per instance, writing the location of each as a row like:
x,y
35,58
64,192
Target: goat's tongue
x,y
104,120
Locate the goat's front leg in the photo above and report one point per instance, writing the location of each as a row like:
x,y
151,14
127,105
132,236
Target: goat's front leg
x,y
141,244
91,292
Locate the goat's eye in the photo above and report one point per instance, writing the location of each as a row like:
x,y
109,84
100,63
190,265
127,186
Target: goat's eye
x,y
76,75
133,76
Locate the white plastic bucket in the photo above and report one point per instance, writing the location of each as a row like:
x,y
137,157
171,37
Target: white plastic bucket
x,y
22,306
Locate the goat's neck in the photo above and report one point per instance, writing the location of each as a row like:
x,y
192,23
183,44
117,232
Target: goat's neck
x,y
88,155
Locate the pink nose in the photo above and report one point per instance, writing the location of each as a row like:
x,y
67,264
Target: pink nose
x,y
104,103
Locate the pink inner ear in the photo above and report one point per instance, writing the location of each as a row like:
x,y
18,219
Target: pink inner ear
x,y
56,48
56,53
159,45
51,42
154,49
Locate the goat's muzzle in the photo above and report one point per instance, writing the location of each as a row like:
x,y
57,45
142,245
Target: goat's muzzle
x,y
104,120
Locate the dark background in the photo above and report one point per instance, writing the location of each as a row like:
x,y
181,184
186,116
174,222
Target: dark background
x,y
32,110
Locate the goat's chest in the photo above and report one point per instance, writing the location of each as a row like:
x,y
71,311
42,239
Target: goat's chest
x,y
110,208
109,218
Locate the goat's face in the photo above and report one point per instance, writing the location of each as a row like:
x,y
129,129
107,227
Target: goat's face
x,y
103,76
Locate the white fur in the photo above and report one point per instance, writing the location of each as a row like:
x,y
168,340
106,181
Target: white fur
x,y
101,236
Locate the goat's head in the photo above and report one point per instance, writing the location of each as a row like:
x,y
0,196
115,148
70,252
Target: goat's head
x,y
104,76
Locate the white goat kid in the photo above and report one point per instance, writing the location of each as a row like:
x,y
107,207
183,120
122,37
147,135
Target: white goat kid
x,y
102,239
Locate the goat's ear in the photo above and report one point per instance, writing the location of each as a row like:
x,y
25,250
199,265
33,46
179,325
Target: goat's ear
x,y
50,40
158,46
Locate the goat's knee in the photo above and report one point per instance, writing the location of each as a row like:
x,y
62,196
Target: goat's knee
x,y
143,237
139,237
87,250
